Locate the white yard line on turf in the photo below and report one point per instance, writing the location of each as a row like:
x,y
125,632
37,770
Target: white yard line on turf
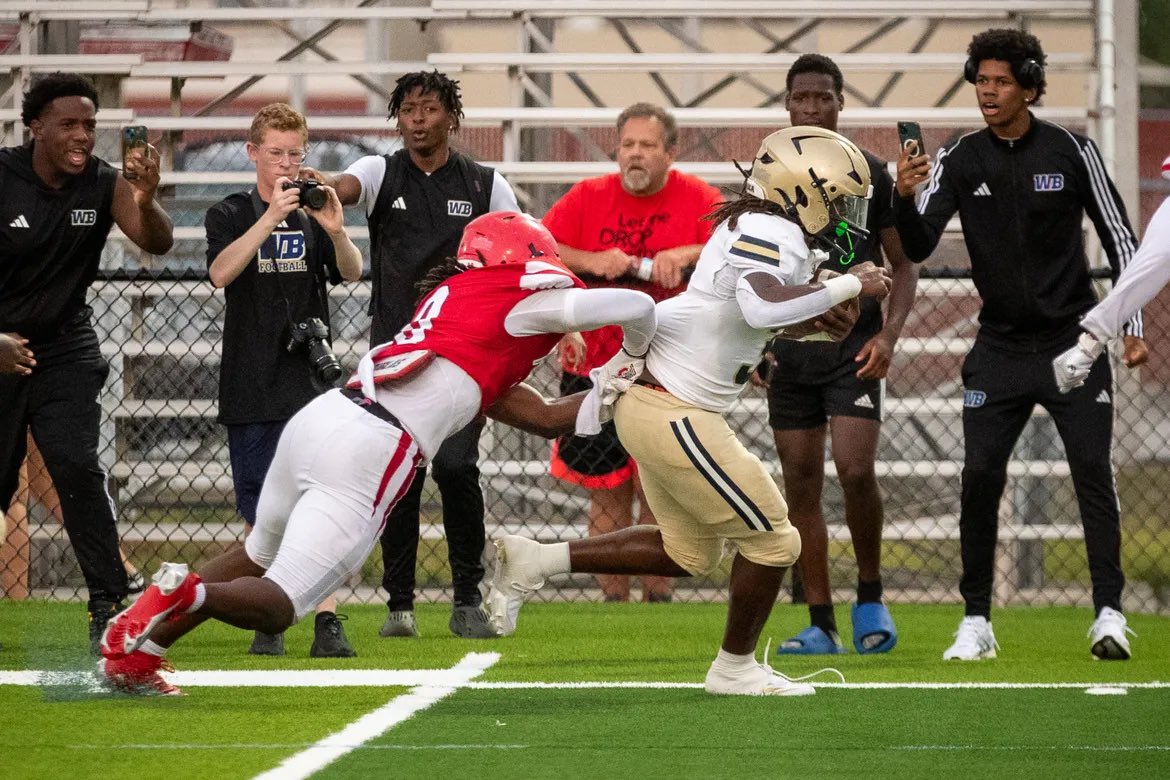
x,y
279,746
873,686
372,725
456,677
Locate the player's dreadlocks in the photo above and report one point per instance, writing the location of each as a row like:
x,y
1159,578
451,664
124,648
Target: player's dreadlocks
x,y
446,89
437,275
55,85
731,210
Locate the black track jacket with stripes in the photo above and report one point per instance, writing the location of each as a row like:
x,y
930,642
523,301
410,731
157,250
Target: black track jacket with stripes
x,y
1022,206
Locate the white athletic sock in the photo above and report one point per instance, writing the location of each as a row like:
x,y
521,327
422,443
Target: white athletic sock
x,y
734,663
554,559
153,648
200,597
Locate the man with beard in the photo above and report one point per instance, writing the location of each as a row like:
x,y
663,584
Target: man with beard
x,y
418,201
59,204
640,228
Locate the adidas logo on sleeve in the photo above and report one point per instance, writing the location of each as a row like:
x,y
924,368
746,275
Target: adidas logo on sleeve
x,y
982,190
19,222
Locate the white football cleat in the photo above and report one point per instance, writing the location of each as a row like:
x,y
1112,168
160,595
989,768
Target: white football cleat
x,y
516,577
1107,636
974,640
758,680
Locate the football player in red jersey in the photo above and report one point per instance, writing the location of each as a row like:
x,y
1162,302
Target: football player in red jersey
x,y
344,459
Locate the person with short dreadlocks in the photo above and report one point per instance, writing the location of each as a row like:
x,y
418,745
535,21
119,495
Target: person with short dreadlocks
x,y
417,201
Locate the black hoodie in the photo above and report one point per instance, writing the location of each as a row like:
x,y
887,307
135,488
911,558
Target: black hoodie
x,y
51,244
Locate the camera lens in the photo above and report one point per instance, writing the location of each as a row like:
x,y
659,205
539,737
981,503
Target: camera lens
x,y
314,197
325,362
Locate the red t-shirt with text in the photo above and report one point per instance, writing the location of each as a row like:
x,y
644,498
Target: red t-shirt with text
x,y
597,214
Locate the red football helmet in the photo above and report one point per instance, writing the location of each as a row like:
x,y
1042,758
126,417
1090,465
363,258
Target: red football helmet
x,y
501,237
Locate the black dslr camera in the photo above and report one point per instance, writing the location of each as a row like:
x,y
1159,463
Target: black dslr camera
x,y
311,196
312,336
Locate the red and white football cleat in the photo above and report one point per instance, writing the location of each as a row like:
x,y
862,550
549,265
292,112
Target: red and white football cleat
x,y
138,673
172,591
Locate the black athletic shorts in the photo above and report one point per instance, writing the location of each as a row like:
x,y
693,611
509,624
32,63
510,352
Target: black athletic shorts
x,y
794,406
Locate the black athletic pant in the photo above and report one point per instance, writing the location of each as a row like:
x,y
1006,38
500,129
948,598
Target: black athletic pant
x,y
455,469
1001,390
60,403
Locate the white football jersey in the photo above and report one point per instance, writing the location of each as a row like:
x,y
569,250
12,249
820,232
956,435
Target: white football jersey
x,y
704,351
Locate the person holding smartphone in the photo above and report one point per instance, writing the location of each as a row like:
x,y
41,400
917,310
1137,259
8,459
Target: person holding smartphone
x,y
1022,187
835,390
60,202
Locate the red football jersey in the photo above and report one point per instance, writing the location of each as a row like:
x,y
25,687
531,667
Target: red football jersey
x,y
462,320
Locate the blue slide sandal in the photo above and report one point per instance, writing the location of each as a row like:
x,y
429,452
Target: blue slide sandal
x,y
811,641
873,628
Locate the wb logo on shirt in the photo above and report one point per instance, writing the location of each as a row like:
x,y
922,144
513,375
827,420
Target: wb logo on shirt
x,y
284,252
1048,182
458,208
81,217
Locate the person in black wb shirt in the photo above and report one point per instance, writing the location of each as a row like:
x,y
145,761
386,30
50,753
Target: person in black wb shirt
x,y
59,204
417,201
272,257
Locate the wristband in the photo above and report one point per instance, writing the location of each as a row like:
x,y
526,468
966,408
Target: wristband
x,y
842,288
645,269
636,357
1090,346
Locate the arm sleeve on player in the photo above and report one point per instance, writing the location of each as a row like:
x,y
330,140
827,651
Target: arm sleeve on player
x,y
769,315
565,311
1143,278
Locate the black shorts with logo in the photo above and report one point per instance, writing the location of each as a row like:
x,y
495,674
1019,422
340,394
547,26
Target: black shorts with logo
x,y
803,405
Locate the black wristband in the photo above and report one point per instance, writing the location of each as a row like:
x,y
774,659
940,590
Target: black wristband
x,y
636,357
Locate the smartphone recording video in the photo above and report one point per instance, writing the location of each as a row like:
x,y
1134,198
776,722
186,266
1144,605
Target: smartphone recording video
x,y
910,138
133,137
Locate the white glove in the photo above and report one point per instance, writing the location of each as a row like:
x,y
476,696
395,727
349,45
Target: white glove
x,y
616,376
609,382
1071,367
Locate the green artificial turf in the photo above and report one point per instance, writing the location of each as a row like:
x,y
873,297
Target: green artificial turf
x,y
566,732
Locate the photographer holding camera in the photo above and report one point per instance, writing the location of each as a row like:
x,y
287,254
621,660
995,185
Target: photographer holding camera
x,y
271,248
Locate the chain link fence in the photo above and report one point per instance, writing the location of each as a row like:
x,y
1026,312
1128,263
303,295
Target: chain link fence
x,y
167,458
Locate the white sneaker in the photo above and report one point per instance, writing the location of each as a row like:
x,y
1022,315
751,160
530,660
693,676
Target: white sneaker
x,y
1107,636
757,680
516,577
973,640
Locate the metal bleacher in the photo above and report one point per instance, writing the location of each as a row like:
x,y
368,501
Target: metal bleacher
x,y
525,70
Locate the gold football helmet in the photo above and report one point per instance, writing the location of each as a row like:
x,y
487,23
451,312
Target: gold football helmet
x,y
818,177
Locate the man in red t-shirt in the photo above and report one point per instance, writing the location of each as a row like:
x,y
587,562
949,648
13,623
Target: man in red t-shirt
x,y
641,228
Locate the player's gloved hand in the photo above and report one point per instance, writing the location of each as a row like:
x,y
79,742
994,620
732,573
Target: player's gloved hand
x,y
616,376
1071,367
609,382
